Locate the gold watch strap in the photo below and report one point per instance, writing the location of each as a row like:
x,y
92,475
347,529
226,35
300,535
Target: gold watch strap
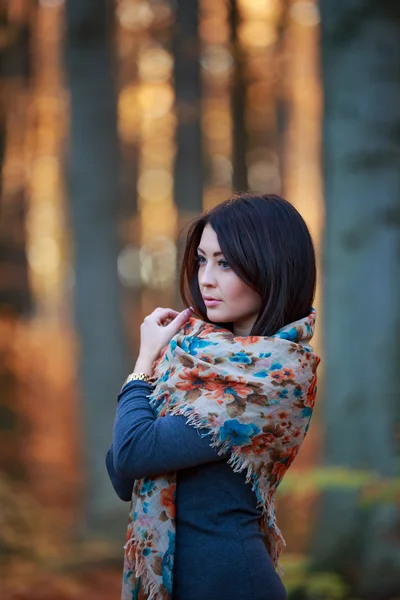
x,y
137,377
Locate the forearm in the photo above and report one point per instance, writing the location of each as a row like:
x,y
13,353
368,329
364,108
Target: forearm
x,y
145,446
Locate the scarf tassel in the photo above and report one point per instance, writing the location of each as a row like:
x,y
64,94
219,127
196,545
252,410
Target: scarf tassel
x,y
140,570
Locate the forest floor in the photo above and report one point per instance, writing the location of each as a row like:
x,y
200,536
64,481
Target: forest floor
x,y
96,583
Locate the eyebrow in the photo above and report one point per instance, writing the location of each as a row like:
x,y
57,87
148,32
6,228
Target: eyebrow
x,y
215,253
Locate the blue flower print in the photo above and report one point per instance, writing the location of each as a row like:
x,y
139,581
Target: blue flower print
x,y
165,375
264,354
306,412
262,373
276,366
308,424
237,434
145,507
273,401
297,393
135,592
147,486
168,563
192,344
290,335
127,574
283,394
241,357
231,391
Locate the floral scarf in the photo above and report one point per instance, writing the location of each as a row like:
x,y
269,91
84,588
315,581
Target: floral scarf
x,y
255,395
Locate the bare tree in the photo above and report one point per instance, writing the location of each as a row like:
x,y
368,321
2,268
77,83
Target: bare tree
x,y
93,170
188,175
238,103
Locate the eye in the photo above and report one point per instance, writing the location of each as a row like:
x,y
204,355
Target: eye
x,y
220,262
225,265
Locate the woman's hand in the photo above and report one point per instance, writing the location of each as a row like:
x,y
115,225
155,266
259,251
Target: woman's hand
x,y
156,332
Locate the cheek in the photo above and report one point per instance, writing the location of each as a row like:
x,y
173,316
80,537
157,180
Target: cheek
x,y
235,290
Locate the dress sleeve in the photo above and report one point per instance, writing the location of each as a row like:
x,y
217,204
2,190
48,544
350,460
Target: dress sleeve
x,y
123,486
145,446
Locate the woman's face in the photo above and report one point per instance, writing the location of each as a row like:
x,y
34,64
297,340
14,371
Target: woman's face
x,y
239,303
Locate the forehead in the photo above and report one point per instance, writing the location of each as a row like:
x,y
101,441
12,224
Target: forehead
x,y
209,239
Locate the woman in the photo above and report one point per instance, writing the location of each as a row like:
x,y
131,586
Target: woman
x,y
217,407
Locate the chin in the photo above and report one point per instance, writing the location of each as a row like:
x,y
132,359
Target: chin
x,y
215,317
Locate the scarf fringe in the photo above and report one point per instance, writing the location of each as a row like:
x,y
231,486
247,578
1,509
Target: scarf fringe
x,y
140,569
276,541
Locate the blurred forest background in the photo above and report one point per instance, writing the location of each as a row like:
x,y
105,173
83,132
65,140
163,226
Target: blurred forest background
x,y
120,120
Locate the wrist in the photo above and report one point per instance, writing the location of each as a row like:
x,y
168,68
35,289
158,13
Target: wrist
x,y
144,364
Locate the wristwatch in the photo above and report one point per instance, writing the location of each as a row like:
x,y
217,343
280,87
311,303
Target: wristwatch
x,y
137,376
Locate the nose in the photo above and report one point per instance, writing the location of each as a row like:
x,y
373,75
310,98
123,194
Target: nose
x,y
206,276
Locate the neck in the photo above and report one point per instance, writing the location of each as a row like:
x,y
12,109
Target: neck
x,y
242,328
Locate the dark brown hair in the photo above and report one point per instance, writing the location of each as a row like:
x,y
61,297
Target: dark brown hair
x,y
267,243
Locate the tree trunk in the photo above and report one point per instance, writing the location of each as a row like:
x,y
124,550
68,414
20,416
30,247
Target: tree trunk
x,y
238,104
361,70
15,72
188,176
94,192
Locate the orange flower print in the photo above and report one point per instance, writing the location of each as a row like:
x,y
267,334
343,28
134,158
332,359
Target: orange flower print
x,y
228,387
279,469
205,358
282,414
248,340
128,534
206,329
288,373
215,420
311,393
277,375
260,444
239,384
281,375
289,455
195,379
167,500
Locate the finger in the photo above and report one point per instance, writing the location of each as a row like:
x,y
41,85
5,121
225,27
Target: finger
x,y
166,310
179,320
164,313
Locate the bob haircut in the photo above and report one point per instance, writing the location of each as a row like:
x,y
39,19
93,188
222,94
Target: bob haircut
x,y
267,243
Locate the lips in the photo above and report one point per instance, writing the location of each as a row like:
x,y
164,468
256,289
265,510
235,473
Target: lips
x,y
211,302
